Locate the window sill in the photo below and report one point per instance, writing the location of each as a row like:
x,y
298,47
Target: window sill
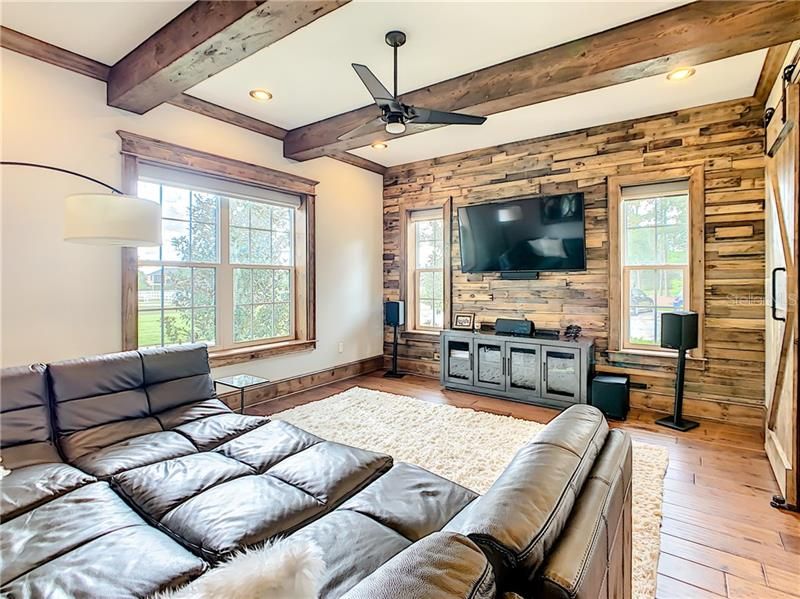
x,y
226,357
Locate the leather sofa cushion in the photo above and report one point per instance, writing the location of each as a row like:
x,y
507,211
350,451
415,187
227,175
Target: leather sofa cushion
x,y
189,412
29,454
243,512
215,509
90,440
443,565
520,517
267,445
388,501
208,433
353,546
174,376
128,563
329,471
158,488
31,486
92,391
591,528
25,413
61,525
135,452
89,543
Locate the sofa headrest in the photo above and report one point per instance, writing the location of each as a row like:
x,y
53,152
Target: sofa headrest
x,y
520,517
23,405
97,390
174,376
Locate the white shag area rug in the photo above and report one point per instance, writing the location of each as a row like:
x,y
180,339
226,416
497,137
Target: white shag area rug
x,y
473,448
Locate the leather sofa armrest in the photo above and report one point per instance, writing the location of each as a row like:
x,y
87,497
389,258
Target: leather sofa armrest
x,y
519,519
592,558
443,565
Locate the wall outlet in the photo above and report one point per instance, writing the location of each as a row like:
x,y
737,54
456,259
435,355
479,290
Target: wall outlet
x,y
341,347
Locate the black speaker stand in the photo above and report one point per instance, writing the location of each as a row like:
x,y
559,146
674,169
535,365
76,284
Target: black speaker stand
x,y
676,421
393,374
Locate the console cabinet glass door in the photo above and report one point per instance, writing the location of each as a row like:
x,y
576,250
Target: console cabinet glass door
x,y
561,378
524,369
458,360
490,361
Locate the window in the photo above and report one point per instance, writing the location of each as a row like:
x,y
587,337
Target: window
x,y
655,253
656,257
426,276
225,272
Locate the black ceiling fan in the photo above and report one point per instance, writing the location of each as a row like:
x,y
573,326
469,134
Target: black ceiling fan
x,y
396,116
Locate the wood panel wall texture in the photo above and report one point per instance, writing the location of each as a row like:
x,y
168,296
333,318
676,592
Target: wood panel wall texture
x,y
726,138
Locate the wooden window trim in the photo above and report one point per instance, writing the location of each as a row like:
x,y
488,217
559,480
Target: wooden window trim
x,y
407,259
696,179
137,149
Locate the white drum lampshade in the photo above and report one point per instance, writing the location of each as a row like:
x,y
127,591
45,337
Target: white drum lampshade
x,y
111,219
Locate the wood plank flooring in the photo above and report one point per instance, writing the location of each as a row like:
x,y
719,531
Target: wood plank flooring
x,y
719,536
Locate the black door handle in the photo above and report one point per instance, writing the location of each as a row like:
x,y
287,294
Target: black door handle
x,y
774,304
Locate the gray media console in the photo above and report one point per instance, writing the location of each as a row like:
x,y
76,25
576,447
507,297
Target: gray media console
x,y
547,371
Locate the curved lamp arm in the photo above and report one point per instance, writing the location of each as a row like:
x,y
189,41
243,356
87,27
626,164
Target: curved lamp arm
x,y
106,218
60,170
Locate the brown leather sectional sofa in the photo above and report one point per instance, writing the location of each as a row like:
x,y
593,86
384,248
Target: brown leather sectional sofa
x,y
128,476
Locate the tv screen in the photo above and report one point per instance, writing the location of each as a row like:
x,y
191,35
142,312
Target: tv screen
x,y
528,234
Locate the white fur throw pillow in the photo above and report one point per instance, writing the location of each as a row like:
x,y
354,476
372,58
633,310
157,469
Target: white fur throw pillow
x,y
284,569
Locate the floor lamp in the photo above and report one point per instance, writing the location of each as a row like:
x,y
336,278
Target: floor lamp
x,y
106,218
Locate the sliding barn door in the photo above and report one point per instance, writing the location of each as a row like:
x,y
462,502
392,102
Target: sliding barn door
x,y
781,334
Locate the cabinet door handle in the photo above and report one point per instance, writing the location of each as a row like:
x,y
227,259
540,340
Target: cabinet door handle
x,y
504,366
471,367
774,291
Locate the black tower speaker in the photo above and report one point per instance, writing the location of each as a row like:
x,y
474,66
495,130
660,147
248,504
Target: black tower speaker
x,y
394,315
679,331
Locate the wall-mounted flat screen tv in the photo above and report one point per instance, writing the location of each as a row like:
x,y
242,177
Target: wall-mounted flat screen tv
x,y
532,234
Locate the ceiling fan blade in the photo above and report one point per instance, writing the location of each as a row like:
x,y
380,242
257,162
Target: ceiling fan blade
x,y
368,127
438,117
376,89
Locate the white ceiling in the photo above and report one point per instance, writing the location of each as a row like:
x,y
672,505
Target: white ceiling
x,y
310,75
103,31
717,81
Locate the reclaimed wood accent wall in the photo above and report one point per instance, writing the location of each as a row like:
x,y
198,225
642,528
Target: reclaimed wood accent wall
x,y
725,138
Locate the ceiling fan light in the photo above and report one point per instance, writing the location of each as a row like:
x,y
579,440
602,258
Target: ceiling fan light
x,y
396,128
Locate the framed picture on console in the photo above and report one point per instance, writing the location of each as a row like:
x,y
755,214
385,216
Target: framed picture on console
x,y
464,321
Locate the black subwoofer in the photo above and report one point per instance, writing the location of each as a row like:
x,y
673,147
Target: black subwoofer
x,y
610,394
679,331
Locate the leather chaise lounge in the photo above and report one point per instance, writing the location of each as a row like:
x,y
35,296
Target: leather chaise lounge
x,y
129,476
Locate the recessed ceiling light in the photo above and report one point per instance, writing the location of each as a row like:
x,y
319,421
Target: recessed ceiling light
x,y
680,74
260,95
379,145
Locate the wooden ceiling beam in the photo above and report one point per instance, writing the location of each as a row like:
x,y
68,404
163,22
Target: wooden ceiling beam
x,y
11,39
360,162
773,65
207,37
692,34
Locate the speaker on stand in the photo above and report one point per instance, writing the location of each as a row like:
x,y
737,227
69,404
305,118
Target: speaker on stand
x,y
394,315
679,331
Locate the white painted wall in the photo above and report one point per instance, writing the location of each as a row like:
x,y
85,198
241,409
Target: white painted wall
x,y
60,300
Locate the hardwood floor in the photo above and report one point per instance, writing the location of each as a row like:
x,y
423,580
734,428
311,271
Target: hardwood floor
x,y
719,535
